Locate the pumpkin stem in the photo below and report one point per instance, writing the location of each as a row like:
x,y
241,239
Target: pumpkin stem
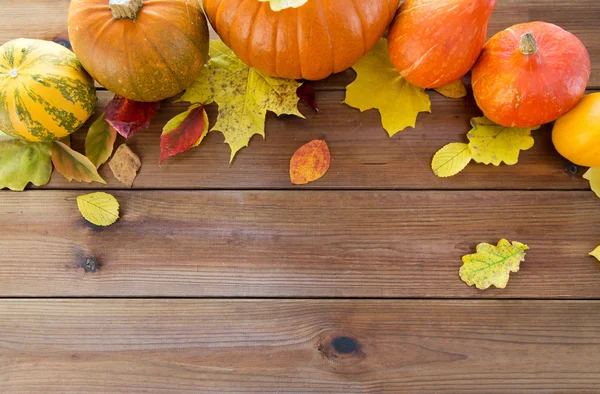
x,y
125,9
528,45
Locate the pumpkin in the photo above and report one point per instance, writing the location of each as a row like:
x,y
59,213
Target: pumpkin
x,y
142,50
576,135
530,74
312,41
46,94
435,42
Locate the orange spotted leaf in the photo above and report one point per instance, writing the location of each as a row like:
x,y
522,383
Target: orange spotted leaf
x,y
310,162
183,132
128,116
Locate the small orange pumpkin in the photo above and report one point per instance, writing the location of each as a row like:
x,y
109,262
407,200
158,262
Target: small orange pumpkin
x,y
313,41
530,74
142,50
435,42
576,135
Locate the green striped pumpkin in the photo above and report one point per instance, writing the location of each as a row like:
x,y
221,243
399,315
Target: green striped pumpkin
x,y
45,94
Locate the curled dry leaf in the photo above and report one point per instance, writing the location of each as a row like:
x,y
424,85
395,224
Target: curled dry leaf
x,y
493,144
183,132
101,209
593,175
307,95
22,162
492,265
244,95
310,162
128,116
125,165
73,165
456,89
451,159
100,141
378,85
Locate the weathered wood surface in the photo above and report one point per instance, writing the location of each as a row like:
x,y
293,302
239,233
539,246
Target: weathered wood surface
x,y
47,19
363,156
320,346
296,244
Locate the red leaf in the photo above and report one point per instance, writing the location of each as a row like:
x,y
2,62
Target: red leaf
x,y
307,95
128,116
183,132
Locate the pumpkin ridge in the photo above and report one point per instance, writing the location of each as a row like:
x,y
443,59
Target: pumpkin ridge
x,y
64,119
218,13
362,27
275,51
252,30
326,24
297,10
34,127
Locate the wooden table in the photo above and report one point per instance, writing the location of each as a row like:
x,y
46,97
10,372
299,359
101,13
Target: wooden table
x,y
224,278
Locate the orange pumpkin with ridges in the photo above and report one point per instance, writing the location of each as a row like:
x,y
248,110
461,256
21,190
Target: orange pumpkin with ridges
x,y
143,50
435,42
530,74
312,41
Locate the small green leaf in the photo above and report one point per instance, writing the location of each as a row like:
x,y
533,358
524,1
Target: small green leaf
x,y
100,141
22,162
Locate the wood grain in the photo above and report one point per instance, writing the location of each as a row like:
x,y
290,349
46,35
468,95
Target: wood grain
x,y
47,19
296,244
363,156
320,346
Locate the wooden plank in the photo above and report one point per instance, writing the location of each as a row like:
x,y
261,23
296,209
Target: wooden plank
x,y
363,156
296,244
47,19
320,346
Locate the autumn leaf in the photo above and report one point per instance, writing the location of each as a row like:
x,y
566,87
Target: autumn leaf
x,y
451,159
456,89
101,209
22,162
100,141
73,165
596,253
183,132
125,165
593,175
128,116
310,162
278,5
243,94
493,144
378,85
307,95
492,265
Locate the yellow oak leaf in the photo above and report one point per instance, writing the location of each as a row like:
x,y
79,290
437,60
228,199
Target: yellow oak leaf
x,y
451,159
593,175
596,253
278,5
23,161
491,143
378,85
492,265
243,94
456,89
101,209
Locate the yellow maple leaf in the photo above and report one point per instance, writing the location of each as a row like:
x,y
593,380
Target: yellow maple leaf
x,y
593,175
278,5
451,159
100,208
491,143
492,265
596,253
378,85
456,89
243,94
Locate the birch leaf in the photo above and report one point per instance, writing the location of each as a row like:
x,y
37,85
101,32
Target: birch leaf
x,y
593,175
378,85
101,209
492,265
451,159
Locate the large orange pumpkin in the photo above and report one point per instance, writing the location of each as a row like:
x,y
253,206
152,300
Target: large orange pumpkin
x,y
530,74
576,135
435,42
312,41
143,50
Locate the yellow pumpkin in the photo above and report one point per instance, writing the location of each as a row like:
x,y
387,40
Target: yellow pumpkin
x,y
576,135
45,93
